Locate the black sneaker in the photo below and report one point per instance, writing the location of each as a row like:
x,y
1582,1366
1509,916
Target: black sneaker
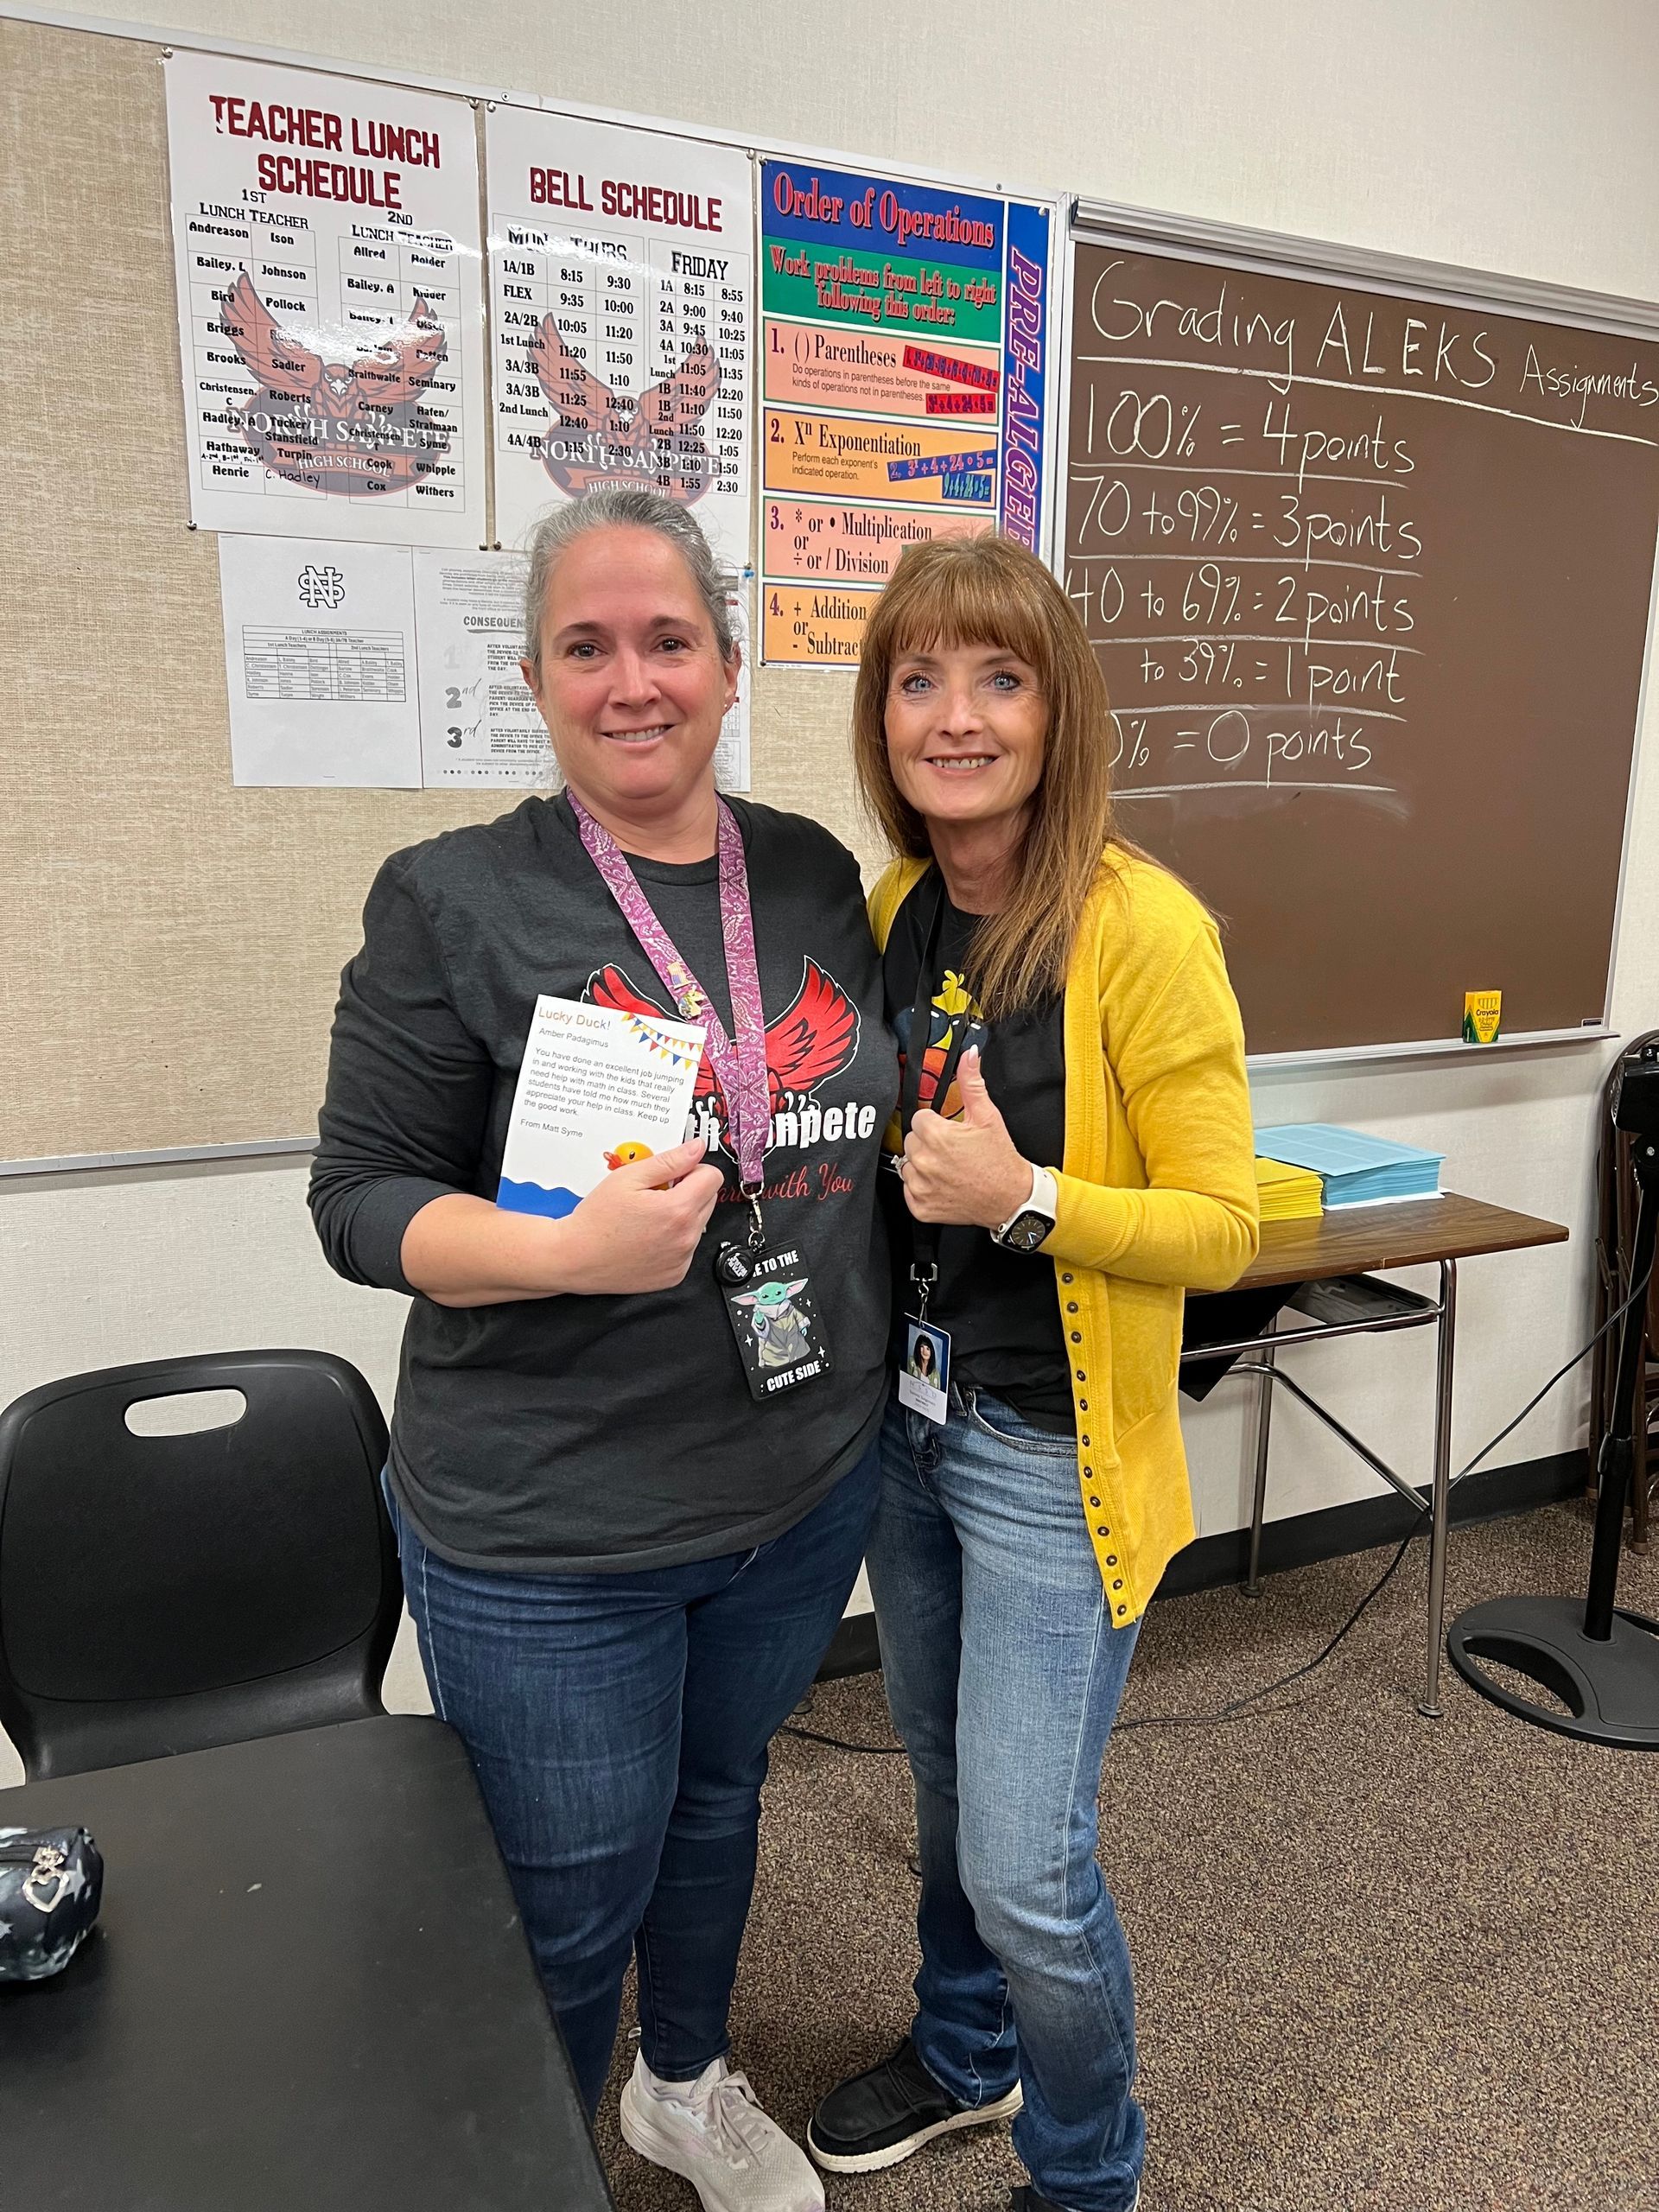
x,y
876,2119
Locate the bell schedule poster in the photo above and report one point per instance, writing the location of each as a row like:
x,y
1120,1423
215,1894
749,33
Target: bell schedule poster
x,y
621,265
905,348
327,252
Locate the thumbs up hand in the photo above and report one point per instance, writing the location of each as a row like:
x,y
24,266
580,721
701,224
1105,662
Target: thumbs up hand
x,y
966,1171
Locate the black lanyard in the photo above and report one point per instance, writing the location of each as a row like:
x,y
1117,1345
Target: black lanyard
x,y
925,1234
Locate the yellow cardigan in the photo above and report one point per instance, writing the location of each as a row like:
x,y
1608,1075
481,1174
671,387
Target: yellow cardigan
x,y
1157,1194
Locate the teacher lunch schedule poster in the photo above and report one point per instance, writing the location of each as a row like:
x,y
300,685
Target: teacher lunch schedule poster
x,y
328,251
904,346
621,271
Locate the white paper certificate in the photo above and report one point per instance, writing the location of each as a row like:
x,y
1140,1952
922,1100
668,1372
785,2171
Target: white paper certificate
x,y
621,299
320,663
599,1089
328,261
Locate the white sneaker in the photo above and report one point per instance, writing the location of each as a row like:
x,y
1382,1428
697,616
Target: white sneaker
x,y
714,2133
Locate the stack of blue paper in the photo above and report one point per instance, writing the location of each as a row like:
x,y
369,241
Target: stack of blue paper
x,y
1356,1170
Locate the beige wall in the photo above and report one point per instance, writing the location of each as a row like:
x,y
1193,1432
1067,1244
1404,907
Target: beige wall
x,y
1503,134
1486,132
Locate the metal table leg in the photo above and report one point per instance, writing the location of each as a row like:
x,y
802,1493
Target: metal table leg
x,y
1263,1432
1446,1340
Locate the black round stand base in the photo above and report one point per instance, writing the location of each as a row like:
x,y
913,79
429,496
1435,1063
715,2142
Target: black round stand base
x,y
1611,1689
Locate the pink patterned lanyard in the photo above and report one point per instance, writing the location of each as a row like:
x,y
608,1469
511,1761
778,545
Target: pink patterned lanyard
x,y
740,1068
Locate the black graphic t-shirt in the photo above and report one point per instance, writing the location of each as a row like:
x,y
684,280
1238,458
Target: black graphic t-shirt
x,y
609,1432
998,1306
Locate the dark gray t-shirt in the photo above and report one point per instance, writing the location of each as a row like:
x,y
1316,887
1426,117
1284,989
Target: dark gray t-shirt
x,y
607,1433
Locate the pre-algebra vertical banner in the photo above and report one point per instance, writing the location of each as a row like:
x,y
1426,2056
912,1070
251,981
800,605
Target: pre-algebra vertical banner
x,y
329,266
622,303
904,385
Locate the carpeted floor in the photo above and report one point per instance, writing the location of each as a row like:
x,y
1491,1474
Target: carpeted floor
x,y
1382,1962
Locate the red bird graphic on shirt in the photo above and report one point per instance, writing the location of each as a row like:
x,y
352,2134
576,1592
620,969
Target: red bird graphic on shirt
x,y
814,1039
604,437
338,426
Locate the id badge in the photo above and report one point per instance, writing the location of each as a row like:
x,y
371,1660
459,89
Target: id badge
x,y
924,1378
775,1320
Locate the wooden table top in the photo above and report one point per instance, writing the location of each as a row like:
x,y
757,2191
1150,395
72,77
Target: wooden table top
x,y
1355,1240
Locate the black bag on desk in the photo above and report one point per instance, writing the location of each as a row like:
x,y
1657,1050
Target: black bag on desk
x,y
51,1881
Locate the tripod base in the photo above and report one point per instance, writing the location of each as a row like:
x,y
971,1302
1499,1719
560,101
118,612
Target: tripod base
x,y
1611,1689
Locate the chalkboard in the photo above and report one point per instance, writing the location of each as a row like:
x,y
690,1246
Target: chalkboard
x,y
1368,563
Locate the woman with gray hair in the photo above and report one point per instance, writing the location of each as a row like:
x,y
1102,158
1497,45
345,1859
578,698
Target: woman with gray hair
x,y
633,1454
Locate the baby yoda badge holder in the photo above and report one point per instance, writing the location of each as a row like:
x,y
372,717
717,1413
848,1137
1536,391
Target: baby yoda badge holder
x,y
767,1296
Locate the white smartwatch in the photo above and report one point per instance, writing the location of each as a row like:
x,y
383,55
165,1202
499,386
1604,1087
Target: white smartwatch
x,y
1024,1230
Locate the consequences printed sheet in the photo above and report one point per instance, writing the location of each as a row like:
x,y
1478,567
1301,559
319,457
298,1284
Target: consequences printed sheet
x,y
479,724
329,263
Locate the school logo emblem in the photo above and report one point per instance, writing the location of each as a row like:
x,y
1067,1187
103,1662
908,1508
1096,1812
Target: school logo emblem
x,y
320,587
603,437
359,427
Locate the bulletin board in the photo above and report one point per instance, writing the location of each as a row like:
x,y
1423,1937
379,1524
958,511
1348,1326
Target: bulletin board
x,y
173,944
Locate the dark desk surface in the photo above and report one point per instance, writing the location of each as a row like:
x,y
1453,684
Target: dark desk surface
x,y
1355,1240
309,1992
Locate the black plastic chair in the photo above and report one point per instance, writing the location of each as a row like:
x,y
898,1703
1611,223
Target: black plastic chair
x,y
169,1593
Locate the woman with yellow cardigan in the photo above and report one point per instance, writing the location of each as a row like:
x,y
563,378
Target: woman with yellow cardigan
x,y
1072,1152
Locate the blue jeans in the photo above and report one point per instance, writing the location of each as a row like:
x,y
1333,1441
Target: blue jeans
x,y
1003,1674
618,1724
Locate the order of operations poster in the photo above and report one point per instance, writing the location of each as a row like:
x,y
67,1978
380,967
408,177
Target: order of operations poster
x,y
904,346
329,270
621,300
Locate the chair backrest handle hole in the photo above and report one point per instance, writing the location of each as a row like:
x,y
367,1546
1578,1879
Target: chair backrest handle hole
x,y
185,1413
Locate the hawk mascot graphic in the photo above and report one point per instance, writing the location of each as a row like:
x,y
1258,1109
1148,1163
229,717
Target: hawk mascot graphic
x,y
814,1039
354,427
603,437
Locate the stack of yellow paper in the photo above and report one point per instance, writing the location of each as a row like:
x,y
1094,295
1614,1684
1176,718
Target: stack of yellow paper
x,y
1288,1193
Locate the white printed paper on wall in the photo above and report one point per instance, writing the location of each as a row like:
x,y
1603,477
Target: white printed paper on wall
x,y
480,722
731,760
622,298
327,256
320,663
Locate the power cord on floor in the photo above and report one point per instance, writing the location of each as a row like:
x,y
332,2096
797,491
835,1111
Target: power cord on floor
x,y
1239,1707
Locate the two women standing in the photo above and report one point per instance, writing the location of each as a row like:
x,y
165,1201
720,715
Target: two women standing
x,y
622,1564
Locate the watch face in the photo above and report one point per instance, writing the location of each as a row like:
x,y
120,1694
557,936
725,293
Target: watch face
x,y
1026,1231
